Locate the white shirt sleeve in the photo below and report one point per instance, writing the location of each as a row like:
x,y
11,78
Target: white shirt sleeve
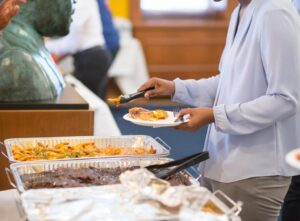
x,y
280,52
72,43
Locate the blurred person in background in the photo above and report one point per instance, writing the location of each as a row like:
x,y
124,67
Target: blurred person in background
x,y
296,3
111,35
86,44
291,205
8,9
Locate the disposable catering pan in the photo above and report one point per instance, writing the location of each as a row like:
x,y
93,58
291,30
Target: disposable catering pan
x,y
130,141
121,203
34,168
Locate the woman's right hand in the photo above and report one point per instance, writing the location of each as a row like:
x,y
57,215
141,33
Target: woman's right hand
x,y
162,88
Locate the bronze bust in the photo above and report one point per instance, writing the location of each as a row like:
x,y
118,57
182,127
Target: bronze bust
x,y
27,72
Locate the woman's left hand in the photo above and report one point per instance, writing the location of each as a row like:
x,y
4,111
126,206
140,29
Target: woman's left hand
x,y
199,117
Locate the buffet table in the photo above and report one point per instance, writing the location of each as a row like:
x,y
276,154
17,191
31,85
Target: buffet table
x,y
53,182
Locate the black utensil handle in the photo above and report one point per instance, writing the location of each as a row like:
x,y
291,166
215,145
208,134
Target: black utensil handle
x,y
201,157
148,89
141,93
173,163
130,97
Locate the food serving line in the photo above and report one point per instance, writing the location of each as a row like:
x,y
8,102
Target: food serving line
x,y
55,187
110,178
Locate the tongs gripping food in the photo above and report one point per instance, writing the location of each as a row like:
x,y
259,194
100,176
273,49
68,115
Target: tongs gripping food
x,y
129,97
122,99
166,170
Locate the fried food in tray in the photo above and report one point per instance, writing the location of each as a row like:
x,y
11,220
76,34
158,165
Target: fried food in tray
x,y
65,150
82,177
211,207
140,113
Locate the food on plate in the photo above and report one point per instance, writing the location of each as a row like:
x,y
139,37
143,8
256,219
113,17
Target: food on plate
x,y
82,177
66,150
140,113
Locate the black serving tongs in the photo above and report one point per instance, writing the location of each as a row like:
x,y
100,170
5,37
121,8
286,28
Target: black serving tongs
x,y
122,99
166,170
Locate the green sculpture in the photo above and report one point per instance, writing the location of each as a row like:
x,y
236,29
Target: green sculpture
x,y
27,72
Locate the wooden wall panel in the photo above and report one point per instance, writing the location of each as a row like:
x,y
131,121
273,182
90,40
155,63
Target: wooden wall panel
x,y
185,48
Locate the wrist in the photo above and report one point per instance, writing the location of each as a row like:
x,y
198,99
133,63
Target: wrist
x,y
210,118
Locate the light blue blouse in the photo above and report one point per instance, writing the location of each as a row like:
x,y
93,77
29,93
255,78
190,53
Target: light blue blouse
x,y
256,96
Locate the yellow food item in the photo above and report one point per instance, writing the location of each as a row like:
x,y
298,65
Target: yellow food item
x,y
211,207
139,113
65,150
116,101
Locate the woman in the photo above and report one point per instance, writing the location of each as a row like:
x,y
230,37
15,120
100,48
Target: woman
x,y
8,9
252,106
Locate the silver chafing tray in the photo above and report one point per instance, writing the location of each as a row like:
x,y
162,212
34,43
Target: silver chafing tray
x,y
126,202
147,142
19,169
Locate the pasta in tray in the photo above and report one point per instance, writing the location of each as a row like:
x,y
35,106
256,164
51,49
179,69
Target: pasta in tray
x,y
65,150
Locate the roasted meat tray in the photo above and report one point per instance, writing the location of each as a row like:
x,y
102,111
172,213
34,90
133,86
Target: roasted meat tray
x,y
71,148
34,175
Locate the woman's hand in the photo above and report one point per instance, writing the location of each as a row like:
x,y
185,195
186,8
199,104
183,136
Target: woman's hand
x,y
199,117
8,9
162,88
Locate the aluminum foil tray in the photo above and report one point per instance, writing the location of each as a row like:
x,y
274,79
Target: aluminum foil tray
x,y
19,169
118,203
162,149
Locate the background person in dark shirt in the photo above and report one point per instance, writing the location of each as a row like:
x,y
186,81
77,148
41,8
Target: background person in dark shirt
x,y
111,35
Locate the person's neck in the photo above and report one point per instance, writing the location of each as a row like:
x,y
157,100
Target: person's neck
x,y
244,3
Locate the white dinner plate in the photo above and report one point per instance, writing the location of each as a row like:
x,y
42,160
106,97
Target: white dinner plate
x,y
291,158
169,122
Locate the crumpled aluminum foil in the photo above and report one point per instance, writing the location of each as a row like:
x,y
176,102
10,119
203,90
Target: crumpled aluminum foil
x,y
139,197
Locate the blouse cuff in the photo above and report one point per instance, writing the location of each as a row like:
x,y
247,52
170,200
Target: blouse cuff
x,y
179,90
220,117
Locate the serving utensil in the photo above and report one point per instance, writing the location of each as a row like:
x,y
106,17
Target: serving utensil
x,y
122,99
166,170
